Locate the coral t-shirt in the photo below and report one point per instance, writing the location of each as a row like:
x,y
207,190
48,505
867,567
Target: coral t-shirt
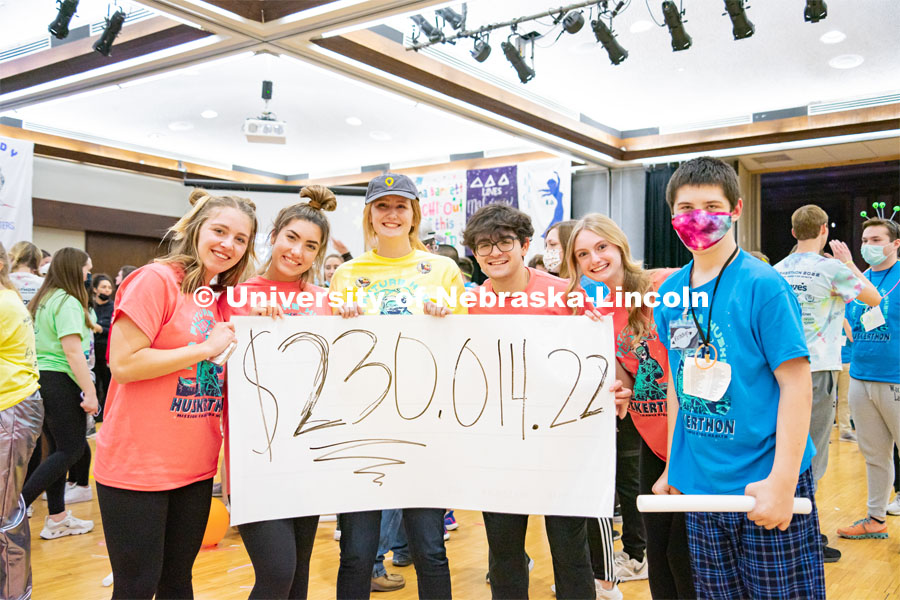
x,y
162,433
648,363
295,298
543,288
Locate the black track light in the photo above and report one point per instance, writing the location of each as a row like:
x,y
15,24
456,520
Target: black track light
x,y
481,51
113,27
680,38
741,26
431,32
573,22
605,36
816,10
455,19
60,27
525,72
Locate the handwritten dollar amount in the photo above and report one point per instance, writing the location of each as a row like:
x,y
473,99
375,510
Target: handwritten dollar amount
x,y
469,365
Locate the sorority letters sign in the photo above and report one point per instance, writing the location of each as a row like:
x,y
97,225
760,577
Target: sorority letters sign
x,y
500,413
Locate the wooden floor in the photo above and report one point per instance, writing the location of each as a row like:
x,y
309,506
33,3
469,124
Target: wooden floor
x,y
74,567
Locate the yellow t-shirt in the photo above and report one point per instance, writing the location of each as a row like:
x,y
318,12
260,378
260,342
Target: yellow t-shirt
x,y
389,283
18,360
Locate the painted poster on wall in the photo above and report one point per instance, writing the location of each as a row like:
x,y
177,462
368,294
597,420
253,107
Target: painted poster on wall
x,y
16,174
545,193
489,186
441,198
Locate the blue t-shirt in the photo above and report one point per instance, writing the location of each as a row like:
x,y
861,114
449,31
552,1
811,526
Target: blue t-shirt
x,y
876,353
719,447
846,349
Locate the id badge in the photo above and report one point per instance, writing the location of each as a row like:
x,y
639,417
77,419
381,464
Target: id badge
x,y
683,335
872,318
706,377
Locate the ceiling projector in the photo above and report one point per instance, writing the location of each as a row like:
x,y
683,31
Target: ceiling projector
x,y
266,128
262,130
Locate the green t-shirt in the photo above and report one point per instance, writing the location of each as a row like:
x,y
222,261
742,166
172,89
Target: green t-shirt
x,y
58,315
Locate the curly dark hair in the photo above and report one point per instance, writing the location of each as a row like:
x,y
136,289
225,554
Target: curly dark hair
x,y
488,221
705,170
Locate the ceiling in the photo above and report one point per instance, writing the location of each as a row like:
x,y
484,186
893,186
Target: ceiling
x,y
578,105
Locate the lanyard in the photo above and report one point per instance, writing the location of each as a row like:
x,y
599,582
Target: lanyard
x,y
883,277
705,338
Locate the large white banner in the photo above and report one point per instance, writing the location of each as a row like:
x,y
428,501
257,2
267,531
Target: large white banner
x,y
16,172
500,413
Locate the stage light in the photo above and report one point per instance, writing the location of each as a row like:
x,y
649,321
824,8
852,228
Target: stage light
x,y
680,38
431,32
741,25
573,22
481,51
113,27
455,19
525,72
60,27
816,10
605,36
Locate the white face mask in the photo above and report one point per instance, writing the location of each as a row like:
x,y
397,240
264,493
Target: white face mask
x,y
552,259
44,269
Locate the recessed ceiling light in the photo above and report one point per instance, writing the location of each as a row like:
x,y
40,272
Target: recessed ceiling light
x,y
181,125
833,37
155,136
640,26
381,136
846,61
209,114
355,121
680,69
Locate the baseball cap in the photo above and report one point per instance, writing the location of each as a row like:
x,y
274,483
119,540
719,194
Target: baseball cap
x,y
391,184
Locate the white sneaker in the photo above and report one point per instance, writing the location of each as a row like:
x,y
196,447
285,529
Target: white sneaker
x,y
77,493
628,569
68,526
337,535
614,594
894,507
29,511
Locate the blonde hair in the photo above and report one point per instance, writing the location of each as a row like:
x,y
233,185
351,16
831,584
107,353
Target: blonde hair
x,y
25,254
640,318
185,233
414,241
807,222
319,198
67,274
5,281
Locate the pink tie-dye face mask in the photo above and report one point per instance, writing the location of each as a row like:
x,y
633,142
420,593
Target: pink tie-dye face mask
x,y
699,230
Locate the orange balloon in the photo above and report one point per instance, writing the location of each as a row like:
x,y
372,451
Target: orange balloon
x,y
217,525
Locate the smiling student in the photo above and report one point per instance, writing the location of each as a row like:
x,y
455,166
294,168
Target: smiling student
x,y
498,236
739,400
158,449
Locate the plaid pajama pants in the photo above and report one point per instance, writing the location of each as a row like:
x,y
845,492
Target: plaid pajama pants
x,y
735,558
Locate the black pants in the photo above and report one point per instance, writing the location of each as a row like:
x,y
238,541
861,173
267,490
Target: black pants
x,y
508,563
600,543
64,427
81,470
628,458
896,471
103,376
153,538
280,551
668,557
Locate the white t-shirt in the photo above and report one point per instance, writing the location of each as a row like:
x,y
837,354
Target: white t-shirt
x,y
823,286
27,283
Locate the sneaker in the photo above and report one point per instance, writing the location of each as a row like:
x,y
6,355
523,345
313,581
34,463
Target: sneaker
x,y
614,594
78,493
446,534
217,489
401,561
848,437
629,569
337,535
894,507
863,529
450,521
68,526
389,582
831,554
617,535
29,511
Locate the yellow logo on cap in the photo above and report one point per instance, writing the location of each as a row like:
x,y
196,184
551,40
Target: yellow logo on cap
x,y
389,181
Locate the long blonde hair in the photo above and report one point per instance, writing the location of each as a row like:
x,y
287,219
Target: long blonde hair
x,y
319,198
185,233
640,318
67,274
414,241
5,281
25,254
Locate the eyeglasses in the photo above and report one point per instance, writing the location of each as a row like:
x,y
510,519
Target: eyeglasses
x,y
503,245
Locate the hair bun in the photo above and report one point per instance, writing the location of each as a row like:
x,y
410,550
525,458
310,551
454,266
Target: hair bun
x,y
319,197
249,202
197,194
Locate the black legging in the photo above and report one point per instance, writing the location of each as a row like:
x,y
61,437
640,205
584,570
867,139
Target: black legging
x,y
64,427
81,470
280,551
668,558
153,538
628,456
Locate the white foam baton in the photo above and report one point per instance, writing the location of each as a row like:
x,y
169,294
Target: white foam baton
x,y
701,503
